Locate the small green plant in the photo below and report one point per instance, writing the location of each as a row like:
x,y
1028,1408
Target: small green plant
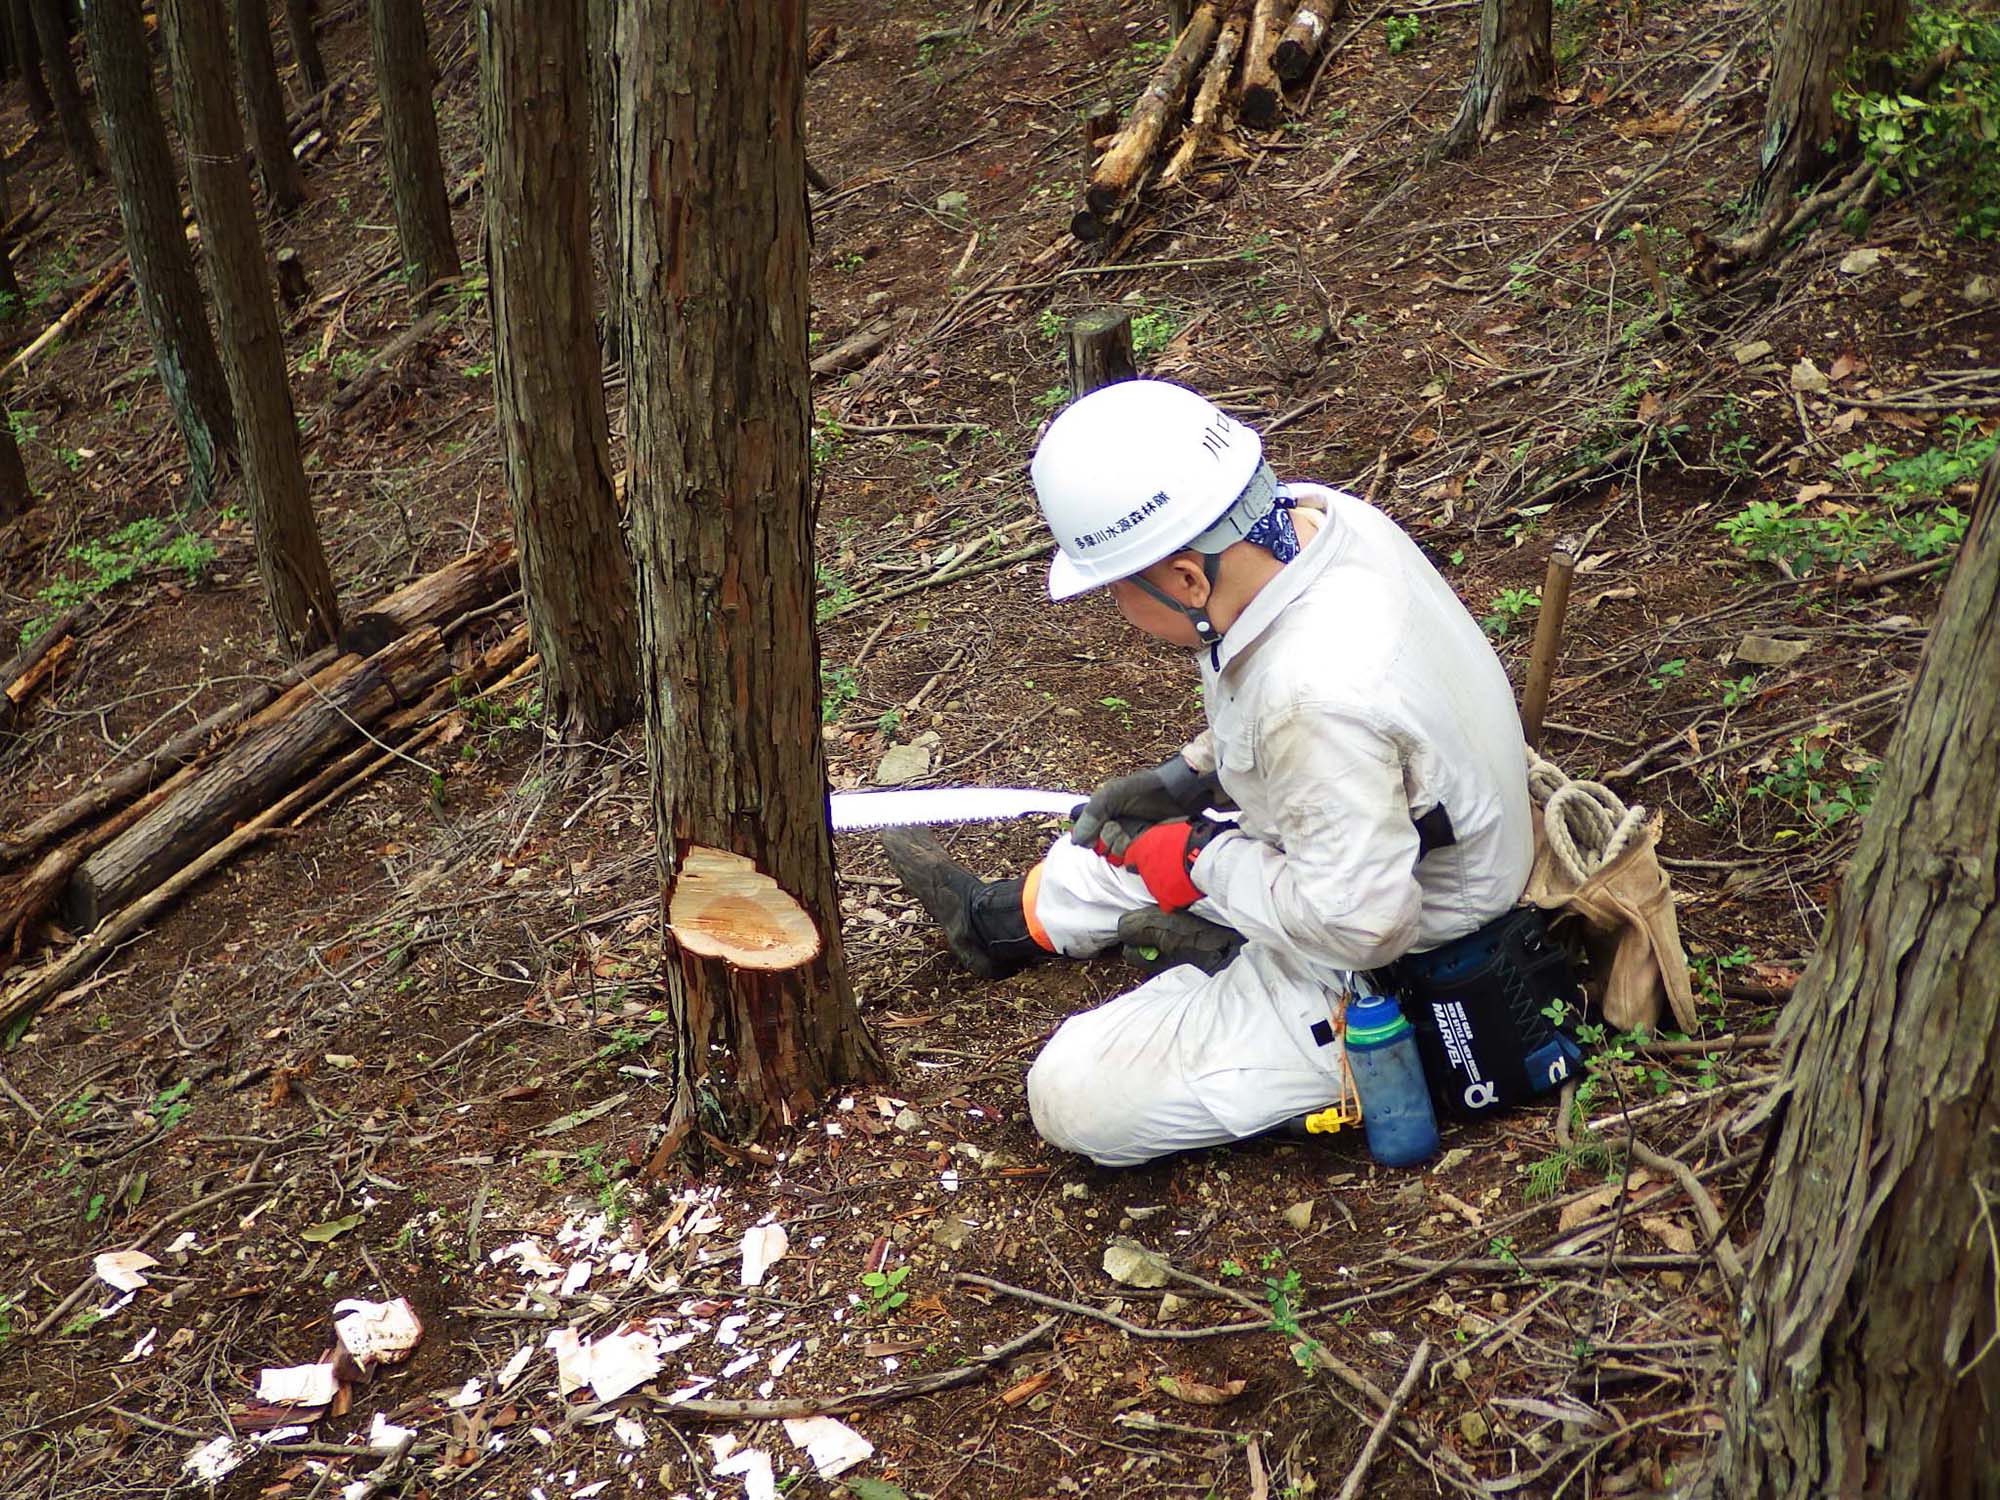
x,y
106,562
1152,332
1737,691
1402,32
1508,607
838,687
1050,325
885,1290
853,260
1666,672
479,369
827,436
1802,781
171,1105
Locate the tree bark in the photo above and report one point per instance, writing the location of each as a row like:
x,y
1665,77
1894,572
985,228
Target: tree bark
x,y
548,376
712,205
289,556
351,692
28,48
1814,42
410,142
604,169
72,118
149,207
1867,1364
15,496
1204,118
305,46
1516,65
264,107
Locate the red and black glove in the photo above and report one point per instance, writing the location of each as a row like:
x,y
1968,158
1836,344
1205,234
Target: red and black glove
x,y
1163,856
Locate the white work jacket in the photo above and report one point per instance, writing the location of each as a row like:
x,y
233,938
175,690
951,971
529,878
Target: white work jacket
x,y
1352,696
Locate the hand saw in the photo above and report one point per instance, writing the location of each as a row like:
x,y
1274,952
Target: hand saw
x,y
946,804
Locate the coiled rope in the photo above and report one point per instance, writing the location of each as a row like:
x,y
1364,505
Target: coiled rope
x,y
1587,825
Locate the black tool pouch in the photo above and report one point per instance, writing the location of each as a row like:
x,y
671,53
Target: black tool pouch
x,y
1478,1006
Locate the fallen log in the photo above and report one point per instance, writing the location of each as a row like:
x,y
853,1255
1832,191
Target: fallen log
x,y
1301,42
506,662
346,397
30,896
1262,94
344,699
438,598
853,351
138,777
1202,119
75,314
1119,170
33,665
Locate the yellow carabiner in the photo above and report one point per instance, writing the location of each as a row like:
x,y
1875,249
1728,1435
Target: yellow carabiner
x,y
1334,1118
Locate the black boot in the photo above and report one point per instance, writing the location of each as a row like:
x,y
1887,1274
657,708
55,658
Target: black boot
x,y
984,921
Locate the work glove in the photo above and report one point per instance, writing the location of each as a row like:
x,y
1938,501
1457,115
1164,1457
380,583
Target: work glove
x,y
1156,940
1163,856
1125,806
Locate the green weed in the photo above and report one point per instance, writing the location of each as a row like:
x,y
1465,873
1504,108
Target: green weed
x,y
107,562
1508,607
885,1290
1402,32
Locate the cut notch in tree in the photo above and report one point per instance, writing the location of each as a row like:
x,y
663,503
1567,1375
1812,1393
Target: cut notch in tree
x,y
724,907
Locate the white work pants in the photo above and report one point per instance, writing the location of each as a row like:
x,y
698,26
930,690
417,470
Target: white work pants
x,y
1185,1060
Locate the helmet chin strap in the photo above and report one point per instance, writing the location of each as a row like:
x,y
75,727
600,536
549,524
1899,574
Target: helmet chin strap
x,y
1204,628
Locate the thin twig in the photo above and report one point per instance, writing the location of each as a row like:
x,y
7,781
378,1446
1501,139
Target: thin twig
x,y
1358,1475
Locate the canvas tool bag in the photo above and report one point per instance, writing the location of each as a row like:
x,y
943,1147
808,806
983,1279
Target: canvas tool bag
x,y
1597,873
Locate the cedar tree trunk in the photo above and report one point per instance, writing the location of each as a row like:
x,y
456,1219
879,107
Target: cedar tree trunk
x,y
264,107
10,286
712,207
21,31
1868,1363
604,161
71,116
1516,65
410,142
305,46
1808,63
548,377
149,204
15,496
289,557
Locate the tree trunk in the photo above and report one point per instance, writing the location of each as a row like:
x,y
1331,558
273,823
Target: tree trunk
x,y
1867,1364
71,116
289,557
149,205
10,286
548,376
264,107
28,48
1814,42
712,206
15,496
305,46
1516,65
410,141
1262,95
604,167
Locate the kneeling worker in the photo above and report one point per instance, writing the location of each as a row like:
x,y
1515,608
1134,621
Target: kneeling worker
x,y
1356,716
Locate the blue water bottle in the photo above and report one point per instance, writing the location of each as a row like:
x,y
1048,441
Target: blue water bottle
x,y
1395,1104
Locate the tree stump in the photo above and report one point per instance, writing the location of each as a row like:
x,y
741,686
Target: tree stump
x,y
1100,350
293,287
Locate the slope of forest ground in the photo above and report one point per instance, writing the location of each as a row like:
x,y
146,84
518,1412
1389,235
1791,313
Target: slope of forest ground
x,y
409,1049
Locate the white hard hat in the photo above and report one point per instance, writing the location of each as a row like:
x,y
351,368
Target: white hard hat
x,y
1132,473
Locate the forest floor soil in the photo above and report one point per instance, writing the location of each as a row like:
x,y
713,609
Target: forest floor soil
x,y
412,1049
